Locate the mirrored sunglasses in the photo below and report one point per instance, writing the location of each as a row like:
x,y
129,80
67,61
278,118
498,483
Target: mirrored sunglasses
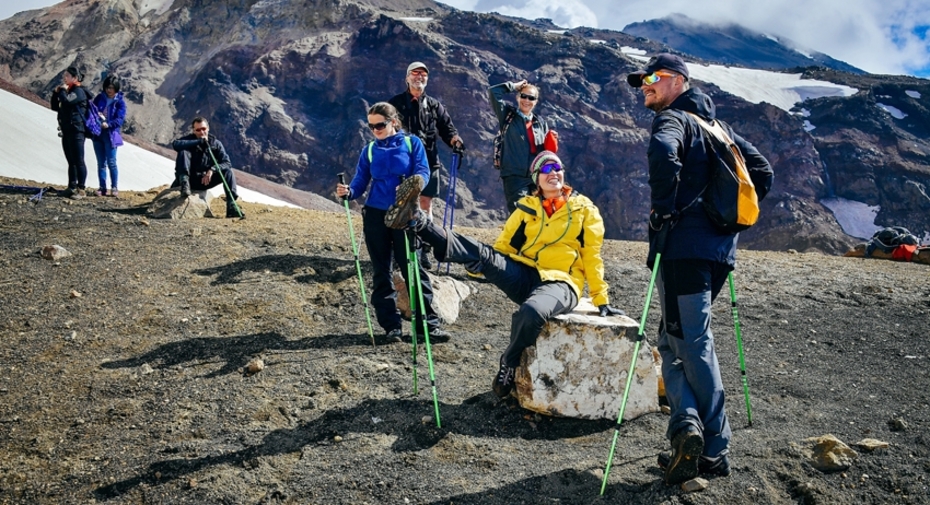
x,y
528,97
649,80
551,167
202,129
378,126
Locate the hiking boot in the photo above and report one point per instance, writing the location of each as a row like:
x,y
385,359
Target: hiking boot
x,y
424,260
402,212
232,212
114,193
185,186
101,192
687,446
438,335
503,381
66,193
76,195
706,466
392,337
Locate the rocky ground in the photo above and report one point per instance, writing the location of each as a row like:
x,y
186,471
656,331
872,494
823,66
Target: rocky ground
x,y
123,375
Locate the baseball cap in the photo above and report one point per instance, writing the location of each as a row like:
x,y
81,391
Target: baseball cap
x,y
415,65
664,61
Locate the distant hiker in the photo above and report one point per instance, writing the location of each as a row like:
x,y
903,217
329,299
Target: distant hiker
x,y
195,167
426,118
522,135
70,101
384,163
112,109
693,268
547,250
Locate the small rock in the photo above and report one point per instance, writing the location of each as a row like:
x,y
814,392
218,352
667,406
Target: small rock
x,y
255,366
666,410
145,222
487,347
426,419
145,369
382,366
792,251
54,252
829,454
694,485
871,444
192,483
897,424
75,294
337,438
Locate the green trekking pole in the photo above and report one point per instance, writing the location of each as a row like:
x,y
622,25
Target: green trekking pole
x,y
358,264
411,297
739,346
640,336
412,263
225,185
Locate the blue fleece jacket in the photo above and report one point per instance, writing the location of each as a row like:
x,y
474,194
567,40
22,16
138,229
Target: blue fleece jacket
x,y
391,161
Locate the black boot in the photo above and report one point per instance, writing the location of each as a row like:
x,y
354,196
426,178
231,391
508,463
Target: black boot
x,y
185,186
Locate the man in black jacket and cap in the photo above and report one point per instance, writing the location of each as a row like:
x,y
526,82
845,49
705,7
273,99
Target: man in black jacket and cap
x,y
426,118
199,155
695,263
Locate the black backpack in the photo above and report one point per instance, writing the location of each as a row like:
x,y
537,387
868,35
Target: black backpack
x,y
888,239
499,139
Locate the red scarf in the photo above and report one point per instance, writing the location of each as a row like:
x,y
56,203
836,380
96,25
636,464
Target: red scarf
x,y
551,205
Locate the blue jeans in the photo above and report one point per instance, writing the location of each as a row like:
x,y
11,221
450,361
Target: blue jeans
x,y
695,393
106,157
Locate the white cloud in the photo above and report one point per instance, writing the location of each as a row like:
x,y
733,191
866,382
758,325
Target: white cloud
x,y
875,35
568,13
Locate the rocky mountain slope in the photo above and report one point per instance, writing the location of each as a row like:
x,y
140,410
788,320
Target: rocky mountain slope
x,y
286,84
123,375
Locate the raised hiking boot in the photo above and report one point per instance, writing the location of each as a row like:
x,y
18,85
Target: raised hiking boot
x,y
401,213
503,381
687,446
713,468
185,186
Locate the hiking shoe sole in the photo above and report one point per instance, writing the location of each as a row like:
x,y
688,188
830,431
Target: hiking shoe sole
x,y
688,445
401,212
721,468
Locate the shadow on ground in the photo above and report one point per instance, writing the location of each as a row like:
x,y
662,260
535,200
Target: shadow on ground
x,y
304,269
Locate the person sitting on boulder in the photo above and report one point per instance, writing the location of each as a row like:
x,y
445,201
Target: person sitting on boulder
x,y
550,245
199,155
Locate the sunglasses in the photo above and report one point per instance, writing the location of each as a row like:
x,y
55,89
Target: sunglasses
x,y
418,72
551,167
201,129
649,80
528,97
379,126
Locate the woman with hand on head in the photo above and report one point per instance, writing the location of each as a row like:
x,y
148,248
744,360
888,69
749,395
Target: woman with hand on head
x,y
523,136
391,159
70,101
112,110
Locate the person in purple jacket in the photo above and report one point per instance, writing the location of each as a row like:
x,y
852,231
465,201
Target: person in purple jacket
x,y
112,110
384,163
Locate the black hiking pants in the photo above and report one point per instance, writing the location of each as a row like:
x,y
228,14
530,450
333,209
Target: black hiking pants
x,y
538,300
182,167
72,143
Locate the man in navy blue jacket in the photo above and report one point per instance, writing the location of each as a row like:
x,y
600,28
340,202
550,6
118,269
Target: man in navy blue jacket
x,y
199,154
695,263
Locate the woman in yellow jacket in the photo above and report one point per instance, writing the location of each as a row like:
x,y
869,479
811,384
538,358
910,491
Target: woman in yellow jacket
x,y
549,248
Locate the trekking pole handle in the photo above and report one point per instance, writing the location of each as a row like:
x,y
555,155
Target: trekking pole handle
x,y
342,178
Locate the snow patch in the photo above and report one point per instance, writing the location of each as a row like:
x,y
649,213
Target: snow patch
x,y
771,37
558,32
911,93
894,111
804,113
632,51
808,126
756,86
856,218
159,6
421,20
597,41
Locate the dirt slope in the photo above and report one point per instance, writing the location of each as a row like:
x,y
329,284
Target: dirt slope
x,y
122,378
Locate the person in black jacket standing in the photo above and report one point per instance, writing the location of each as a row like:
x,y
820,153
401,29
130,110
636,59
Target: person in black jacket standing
x,y
70,101
695,263
426,118
195,169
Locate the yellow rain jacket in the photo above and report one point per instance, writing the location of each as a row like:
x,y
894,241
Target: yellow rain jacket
x,y
565,247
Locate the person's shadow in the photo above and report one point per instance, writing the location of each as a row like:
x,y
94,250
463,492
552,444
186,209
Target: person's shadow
x,y
304,269
398,417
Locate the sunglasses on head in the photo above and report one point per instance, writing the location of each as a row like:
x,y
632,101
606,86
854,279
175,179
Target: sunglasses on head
x,y
528,97
649,80
551,167
378,126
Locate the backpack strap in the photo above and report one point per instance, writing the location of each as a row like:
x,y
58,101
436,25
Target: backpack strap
x,y
407,141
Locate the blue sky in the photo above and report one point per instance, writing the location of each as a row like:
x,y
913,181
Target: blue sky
x,y
879,36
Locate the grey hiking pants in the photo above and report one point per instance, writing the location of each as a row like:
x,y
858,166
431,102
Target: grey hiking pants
x,y
687,288
538,300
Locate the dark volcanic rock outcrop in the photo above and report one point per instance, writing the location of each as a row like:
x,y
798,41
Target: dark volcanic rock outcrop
x,y
286,85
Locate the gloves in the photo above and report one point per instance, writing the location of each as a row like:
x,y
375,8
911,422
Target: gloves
x,y
606,310
656,221
205,142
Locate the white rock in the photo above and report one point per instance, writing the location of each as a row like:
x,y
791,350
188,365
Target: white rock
x,y
169,204
54,252
448,295
578,368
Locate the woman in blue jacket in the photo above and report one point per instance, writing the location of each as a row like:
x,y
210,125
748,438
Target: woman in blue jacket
x,y
392,157
112,109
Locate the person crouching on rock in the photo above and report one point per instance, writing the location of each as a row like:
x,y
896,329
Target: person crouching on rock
x,y
550,245
199,155
391,158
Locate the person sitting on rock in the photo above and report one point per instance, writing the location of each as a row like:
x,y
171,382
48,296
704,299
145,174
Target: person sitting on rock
x,y
199,156
549,247
384,162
